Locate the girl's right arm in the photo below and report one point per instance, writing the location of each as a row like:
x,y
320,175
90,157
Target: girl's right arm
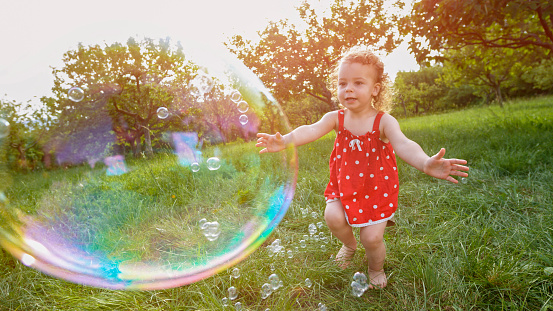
x,y
300,136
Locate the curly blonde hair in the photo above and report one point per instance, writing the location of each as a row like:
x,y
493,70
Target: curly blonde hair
x,y
357,54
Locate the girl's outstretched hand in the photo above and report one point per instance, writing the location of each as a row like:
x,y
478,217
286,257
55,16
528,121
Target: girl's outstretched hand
x,y
271,143
437,166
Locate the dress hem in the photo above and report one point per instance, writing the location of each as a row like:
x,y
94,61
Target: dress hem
x,y
369,223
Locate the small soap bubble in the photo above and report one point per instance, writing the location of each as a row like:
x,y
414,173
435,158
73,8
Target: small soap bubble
x,y
238,306
290,254
314,214
323,238
274,280
195,167
243,119
266,290
464,180
242,106
235,273
320,225
232,293
213,163
4,128
162,112
225,302
361,278
211,230
323,248
322,306
202,223
308,282
235,96
75,94
548,270
312,229
357,289
272,267
303,244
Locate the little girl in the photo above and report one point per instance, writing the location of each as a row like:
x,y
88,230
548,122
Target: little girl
x,y
363,187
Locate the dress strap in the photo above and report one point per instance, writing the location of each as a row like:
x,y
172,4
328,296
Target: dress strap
x,y
376,123
341,119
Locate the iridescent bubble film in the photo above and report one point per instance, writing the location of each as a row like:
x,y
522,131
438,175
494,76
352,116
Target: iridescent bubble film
x,y
150,177
4,128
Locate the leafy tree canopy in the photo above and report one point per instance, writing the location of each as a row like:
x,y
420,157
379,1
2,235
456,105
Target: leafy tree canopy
x,y
295,61
436,25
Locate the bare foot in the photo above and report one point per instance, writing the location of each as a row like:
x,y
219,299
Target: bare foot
x,y
344,256
377,279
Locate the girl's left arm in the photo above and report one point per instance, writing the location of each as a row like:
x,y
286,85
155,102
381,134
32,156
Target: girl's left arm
x,y
410,152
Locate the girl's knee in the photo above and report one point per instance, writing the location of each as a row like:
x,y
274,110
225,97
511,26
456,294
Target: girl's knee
x,y
334,215
372,236
371,240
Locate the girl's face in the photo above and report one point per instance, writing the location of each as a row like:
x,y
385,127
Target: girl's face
x,y
357,85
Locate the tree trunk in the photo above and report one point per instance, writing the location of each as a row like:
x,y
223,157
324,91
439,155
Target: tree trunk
x,y
403,104
497,90
148,142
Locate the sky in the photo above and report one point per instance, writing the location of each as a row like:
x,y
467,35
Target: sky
x,y
36,33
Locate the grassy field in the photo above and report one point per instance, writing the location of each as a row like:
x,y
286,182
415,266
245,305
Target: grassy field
x,y
486,244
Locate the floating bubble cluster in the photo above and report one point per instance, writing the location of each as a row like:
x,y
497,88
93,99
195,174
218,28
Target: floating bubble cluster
x,y
359,284
272,285
312,229
151,176
275,248
210,230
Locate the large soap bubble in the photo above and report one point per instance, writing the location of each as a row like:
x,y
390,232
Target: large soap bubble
x,y
126,197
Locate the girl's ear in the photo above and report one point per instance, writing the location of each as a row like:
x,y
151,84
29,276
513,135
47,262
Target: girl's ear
x,y
376,89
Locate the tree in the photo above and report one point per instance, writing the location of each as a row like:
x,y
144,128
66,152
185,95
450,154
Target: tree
x,y
28,127
123,83
294,63
486,69
419,91
438,25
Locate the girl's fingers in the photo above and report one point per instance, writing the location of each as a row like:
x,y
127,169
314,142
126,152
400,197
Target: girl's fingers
x,y
460,167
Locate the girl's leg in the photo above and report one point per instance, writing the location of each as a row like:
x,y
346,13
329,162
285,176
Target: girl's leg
x,y
372,238
336,221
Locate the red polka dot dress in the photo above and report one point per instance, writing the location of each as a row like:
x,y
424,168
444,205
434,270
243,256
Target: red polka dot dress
x,y
363,175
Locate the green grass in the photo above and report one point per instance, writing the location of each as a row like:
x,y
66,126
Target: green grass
x,y
483,245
